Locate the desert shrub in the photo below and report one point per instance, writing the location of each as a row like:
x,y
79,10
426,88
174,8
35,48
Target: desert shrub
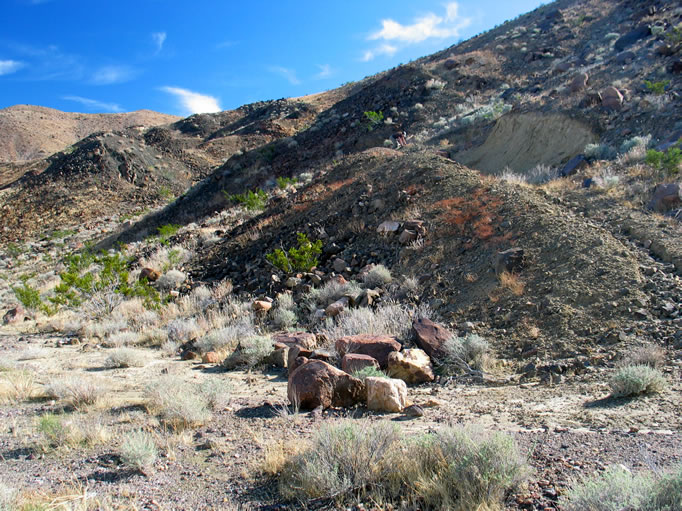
x,y
373,119
118,339
77,392
301,258
666,495
178,404
124,357
17,385
216,392
171,280
632,380
227,336
251,352
434,84
537,175
657,88
650,355
53,432
138,451
599,152
284,182
30,298
57,431
7,498
369,372
668,161
331,291
182,329
343,459
634,142
471,349
284,318
463,469
607,179
614,490
252,200
166,232
379,275
387,319
285,301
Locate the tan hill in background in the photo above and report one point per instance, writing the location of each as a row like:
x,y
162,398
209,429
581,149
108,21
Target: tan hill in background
x,y
29,132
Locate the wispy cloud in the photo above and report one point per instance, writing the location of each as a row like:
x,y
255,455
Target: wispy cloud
x,y
428,26
325,71
49,62
193,102
287,73
159,38
93,104
108,75
384,49
10,66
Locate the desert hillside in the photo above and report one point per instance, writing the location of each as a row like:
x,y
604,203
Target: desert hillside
x,y
456,284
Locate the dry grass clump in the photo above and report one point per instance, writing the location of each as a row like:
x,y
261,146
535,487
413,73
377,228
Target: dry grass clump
x,y
122,339
139,451
633,380
227,337
77,392
170,280
56,431
650,355
330,292
183,329
105,328
457,469
512,282
472,349
378,276
124,357
17,385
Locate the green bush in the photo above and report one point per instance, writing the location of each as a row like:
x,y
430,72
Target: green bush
x,y
374,119
616,489
30,298
668,161
283,182
369,372
166,232
657,88
301,258
251,200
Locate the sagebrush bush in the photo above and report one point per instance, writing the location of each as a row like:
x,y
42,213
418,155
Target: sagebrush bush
x,y
472,349
227,337
179,404
138,451
666,494
170,280
379,275
632,380
77,392
124,357
650,355
599,152
251,352
284,318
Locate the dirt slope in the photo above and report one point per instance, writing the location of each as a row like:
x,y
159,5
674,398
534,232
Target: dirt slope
x,y
29,132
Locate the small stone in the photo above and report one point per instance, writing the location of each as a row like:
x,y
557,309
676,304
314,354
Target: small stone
x,y
150,274
261,306
339,265
414,411
388,227
292,282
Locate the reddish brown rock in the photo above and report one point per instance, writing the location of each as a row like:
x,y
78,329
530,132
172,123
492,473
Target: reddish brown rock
x,y
316,383
303,339
262,305
666,197
430,337
611,98
376,346
578,83
294,353
189,355
352,362
150,274
14,315
212,357
336,308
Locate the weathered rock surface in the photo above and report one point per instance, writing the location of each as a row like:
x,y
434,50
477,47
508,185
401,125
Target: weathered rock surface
x,y
386,394
352,362
316,383
303,339
666,197
411,365
376,346
430,337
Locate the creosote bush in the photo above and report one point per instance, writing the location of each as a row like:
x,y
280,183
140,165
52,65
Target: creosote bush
x,y
301,258
668,161
457,469
632,380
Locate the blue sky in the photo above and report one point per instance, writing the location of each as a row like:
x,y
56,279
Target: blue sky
x,y
182,57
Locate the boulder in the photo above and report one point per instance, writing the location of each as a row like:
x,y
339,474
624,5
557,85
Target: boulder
x,y
388,227
316,383
339,265
386,394
304,339
212,357
14,315
430,337
666,197
509,260
632,37
573,165
611,98
336,308
261,306
294,353
579,82
352,362
150,274
376,346
412,366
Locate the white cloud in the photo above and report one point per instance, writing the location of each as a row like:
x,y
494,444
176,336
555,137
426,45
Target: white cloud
x,y
10,66
325,71
193,102
159,38
428,26
93,104
287,73
384,49
108,75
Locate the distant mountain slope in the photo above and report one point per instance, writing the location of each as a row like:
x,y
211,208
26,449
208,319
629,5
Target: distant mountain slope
x,y
29,132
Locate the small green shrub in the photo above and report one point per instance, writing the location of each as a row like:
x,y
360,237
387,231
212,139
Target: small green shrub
x,y
138,451
301,258
668,161
13,250
166,232
251,200
632,380
374,119
614,490
379,275
657,88
166,193
369,372
284,182
30,298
